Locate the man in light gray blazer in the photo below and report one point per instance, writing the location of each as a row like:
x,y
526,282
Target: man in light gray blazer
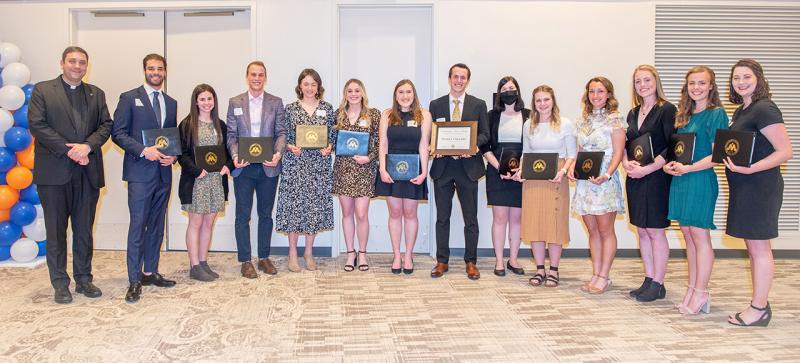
x,y
252,114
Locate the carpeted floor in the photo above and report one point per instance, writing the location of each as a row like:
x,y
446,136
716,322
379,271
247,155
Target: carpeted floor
x,y
333,316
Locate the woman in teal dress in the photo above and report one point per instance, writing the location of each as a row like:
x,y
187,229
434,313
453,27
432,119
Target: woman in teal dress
x,y
694,188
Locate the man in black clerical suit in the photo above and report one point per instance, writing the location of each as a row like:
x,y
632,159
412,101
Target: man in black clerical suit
x,y
70,121
147,171
458,173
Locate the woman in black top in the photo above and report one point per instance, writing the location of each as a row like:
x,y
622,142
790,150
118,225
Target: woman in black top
x,y
647,186
756,192
502,193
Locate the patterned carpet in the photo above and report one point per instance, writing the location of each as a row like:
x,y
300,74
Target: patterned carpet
x,y
333,316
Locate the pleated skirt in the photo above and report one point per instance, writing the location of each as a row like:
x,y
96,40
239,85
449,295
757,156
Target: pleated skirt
x,y
545,211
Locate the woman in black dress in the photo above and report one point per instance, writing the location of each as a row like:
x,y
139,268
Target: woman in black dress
x,y
647,186
404,129
502,193
756,192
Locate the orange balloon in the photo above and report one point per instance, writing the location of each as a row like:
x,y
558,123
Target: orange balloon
x,y
25,157
5,214
19,177
8,197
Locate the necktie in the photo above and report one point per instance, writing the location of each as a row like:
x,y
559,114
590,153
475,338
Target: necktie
x,y
456,111
157,107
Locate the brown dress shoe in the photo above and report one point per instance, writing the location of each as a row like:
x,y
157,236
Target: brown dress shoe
x,y
265,264
248,270
472,271
439,270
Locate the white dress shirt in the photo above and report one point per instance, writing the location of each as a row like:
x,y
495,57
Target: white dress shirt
x,y
149,89
256,108
460,105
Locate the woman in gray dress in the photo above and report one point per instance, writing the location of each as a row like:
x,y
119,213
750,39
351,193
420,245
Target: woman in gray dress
x,y
202,193
305,204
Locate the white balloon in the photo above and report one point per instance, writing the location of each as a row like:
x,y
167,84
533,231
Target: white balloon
x,y
9,53
35,230
39,212
11,97
24,250
6,121
16,74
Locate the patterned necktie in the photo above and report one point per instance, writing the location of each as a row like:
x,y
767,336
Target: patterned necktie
x,y
157,108
456,111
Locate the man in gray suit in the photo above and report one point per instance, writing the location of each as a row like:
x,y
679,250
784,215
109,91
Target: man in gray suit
x,y
70,121
255,113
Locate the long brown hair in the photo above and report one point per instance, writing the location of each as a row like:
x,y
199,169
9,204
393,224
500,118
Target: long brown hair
x,y
660,97
341,119
762,86
555,114
416,111
194,114
611,104
687,104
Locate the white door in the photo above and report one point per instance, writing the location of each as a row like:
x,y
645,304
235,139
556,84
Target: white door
x,y
116,46
399,38
212,48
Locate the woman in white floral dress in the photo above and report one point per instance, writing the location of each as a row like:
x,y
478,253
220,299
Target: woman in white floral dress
x,y
598,200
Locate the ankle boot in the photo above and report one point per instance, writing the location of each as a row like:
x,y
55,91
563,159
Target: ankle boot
x,y
653,292
645,284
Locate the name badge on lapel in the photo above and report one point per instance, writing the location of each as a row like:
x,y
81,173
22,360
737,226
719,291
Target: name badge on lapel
x,y
138,102
238,111
320,113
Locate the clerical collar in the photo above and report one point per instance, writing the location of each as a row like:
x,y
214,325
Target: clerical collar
x,y
67,85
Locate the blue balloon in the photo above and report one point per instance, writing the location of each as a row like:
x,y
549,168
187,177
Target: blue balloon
x,y
28,89
8,160
29,194
21,116
42,248
23,213
17,138
5,253
3,179
9,233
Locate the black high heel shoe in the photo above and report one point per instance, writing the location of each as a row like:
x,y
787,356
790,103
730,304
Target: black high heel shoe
x,y
766,316
398,270
363,266
350,268
409,271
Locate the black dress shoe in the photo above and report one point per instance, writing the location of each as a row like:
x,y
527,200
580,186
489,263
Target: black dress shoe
x,y
515,270
156,279
62,295
134,293
645,284
501,272
653,292
88,289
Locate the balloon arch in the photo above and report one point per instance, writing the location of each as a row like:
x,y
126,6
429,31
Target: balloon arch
x,y
22,230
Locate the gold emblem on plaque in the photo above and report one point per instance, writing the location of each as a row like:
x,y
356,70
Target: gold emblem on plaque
x,y
401,167
539,166
679,148
587,165
732,147
211,158
162,142
513,163
638,152
255,150
352,143
312,137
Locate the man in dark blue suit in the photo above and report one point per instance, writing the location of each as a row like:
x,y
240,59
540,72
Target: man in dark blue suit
x,y
147,171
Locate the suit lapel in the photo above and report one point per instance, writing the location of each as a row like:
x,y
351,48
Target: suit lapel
x,y
246,113
263,114
148,106
65,104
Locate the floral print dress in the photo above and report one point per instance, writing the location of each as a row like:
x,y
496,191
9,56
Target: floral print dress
x,y
594,134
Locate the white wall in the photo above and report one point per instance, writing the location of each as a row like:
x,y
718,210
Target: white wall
x,y
559,43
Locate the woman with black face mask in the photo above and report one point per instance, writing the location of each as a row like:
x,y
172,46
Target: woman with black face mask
x,y
503,194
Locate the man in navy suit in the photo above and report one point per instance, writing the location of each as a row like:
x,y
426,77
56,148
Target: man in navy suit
x,y
255,113
458,173
147,171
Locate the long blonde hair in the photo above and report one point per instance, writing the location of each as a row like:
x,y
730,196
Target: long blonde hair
x,y
341,119
638,100
612,105
416,111
555,114
687,104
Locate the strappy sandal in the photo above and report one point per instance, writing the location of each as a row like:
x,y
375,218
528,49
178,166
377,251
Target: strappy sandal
x,y
594,290
552,280
538,278
350,268
585,286
766,316
363,266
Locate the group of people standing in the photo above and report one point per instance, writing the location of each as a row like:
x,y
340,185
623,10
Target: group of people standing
x,y
70,121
